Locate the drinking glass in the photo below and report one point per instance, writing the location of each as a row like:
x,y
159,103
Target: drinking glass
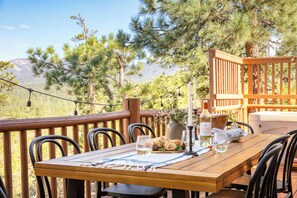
x,y
186,138
220,142
144,145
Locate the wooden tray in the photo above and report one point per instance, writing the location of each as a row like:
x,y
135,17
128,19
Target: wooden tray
x,y
181,151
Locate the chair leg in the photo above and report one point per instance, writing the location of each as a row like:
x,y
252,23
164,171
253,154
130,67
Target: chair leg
x,y
195,194
99,189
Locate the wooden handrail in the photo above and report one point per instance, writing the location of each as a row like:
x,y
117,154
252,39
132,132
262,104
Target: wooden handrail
x,y
225,56
35,123
263,60
270,96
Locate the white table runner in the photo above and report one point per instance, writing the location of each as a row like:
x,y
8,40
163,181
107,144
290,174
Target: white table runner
x,y
146,162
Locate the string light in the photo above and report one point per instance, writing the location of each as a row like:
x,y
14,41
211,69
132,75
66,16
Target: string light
x,y
75,106
53,96
179,94
102,108
29,100
161,97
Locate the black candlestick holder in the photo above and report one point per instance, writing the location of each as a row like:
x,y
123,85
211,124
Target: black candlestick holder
x,y
190,151
195,123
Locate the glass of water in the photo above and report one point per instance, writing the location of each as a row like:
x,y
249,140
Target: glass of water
x,y
186,138
220,142
144,145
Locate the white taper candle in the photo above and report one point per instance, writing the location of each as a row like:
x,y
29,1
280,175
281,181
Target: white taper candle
x,y
190,120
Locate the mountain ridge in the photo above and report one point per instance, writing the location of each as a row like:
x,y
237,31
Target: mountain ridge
x,y
23,72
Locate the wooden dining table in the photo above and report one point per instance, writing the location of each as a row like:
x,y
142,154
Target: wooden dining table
x,y
208,172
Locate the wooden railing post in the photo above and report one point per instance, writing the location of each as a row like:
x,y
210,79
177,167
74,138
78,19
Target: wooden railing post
x,y
250,84
133,106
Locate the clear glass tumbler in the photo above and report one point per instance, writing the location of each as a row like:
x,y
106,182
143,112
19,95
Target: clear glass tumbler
x,y
144,145
220,142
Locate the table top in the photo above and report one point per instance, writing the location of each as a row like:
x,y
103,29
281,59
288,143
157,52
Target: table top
x,y
208,172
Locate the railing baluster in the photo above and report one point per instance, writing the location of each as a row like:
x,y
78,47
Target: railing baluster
x,y
75,135
289,82
121,129
7,162
105,142
24,163
64,143
52,154
113,125
86,149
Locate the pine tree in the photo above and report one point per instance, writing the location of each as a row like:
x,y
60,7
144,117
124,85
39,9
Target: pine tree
x,y
6,75
181,32
175,31
95,69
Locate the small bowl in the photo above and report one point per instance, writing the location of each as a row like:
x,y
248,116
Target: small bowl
x,y
234,138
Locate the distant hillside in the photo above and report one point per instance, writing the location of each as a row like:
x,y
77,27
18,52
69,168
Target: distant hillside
x,y
23,72
24,75
151,71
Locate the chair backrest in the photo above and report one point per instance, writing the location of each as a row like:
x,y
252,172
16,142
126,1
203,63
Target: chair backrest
x,y
289,159
111,134
243,126
35,151
143,128
263,181
282,140
3,193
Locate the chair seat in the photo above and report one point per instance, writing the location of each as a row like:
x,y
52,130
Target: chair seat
x,y
128,190
241,182
227,193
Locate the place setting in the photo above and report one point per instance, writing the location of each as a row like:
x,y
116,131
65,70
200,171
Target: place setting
x,y
150,154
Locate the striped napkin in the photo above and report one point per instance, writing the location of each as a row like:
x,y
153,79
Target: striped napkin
x,y
146,162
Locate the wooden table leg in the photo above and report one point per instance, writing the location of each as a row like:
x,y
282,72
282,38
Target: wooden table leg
x,y
180,193
75,188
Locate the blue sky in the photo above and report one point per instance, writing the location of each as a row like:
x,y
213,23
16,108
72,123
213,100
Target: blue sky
x,y
40,23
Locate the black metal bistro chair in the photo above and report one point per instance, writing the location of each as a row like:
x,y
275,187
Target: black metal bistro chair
x,y
120,190
3,193
243,181
285,184
143,128
61,144
263,181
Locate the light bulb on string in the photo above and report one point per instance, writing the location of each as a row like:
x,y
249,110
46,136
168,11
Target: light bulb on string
x,y
29,100
75,108
179,94
161,97
102,108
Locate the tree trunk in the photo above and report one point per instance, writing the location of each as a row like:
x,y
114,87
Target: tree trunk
x,y
251,51
122,75
108,92
92,97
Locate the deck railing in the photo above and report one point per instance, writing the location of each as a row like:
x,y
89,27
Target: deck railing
x,y
16,136
245,85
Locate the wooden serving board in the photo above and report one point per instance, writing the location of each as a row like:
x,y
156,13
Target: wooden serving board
x,y
181,151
